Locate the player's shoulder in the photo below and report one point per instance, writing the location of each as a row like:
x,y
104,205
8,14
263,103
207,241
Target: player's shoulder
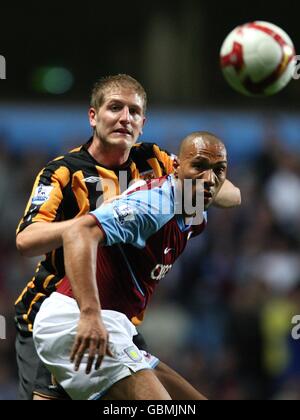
x,y
149,185
147,150
73,160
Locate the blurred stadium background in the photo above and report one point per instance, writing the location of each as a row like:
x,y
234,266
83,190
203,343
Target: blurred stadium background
x,y
223,316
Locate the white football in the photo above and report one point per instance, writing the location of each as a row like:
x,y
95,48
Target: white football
x,y
258,58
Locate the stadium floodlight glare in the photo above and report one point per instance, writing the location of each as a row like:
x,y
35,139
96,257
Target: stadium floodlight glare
x,y
53,80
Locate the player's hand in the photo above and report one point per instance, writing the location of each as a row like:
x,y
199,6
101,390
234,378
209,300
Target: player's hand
x,y
92,336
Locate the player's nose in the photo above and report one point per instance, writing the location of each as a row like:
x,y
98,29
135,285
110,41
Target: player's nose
x,y
125,114
209,178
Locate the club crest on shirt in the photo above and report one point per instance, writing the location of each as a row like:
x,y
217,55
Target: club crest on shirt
x,y
41,194
133,353
124,213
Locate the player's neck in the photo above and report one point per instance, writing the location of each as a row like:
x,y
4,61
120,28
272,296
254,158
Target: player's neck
x,y
108,155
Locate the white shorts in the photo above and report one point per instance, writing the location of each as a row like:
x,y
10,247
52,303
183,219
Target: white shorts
x,y
54,332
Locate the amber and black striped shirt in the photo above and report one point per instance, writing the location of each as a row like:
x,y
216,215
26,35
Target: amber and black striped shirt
x,y
69,187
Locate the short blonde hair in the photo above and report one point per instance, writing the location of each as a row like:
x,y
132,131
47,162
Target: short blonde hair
x,y
119,80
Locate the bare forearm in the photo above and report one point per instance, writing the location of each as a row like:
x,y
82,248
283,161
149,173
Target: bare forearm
x,y
80,244
80,254
228,196
41,237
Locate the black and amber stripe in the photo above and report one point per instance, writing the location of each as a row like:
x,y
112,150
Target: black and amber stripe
x,y
79,185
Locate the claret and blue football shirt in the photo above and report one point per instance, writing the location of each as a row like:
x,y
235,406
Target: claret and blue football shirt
x,y
143,238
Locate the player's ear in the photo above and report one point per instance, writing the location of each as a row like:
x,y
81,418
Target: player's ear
x,y
176,164
92,117
141,130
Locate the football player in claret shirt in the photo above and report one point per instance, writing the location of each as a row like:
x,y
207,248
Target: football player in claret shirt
x,y
108,287
73,185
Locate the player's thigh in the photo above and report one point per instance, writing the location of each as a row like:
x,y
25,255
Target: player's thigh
x,y
27,361
142,385
46,387
54,332
178,387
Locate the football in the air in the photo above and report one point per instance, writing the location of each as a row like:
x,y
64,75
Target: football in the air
x,y
258,58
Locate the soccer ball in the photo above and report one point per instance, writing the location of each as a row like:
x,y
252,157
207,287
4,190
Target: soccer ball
x,y
257,58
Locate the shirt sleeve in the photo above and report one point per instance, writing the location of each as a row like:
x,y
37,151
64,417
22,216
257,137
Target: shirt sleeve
x,y
45,200
165,158
132,219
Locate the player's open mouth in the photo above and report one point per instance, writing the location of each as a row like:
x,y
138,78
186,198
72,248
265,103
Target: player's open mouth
x,y
123,131
207,195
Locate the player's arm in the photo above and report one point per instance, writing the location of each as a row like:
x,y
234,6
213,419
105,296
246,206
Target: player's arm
x,y
131,219
39,230
80,253
41,237
228,196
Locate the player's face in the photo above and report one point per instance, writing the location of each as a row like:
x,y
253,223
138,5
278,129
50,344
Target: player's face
x,y
207,162
120,119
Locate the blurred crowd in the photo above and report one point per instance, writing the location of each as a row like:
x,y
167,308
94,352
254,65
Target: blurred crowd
x,y
223,316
